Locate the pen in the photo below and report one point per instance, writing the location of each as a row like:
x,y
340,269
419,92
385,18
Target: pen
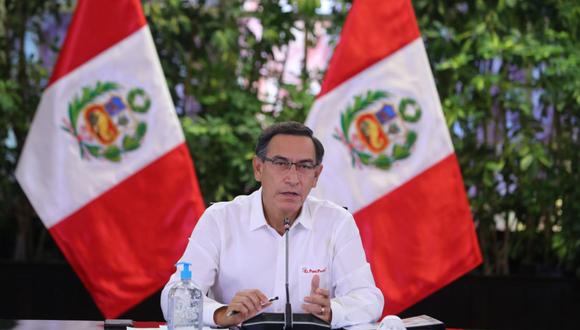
x,y
232,313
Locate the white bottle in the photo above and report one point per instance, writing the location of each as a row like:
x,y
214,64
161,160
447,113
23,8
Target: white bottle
x,y
185,303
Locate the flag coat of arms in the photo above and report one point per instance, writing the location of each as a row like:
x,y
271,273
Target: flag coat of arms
x,y
389,156
105,164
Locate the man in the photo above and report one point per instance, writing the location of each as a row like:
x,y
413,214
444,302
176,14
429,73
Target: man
x,y
237,249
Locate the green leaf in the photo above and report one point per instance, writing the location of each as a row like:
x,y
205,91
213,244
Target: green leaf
x,y
93,150
526,162
130,143
383,162
400,152
364,157
344,122
141,130
545,160
113,153
411,138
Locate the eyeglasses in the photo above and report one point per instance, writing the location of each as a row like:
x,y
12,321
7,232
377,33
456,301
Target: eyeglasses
x,y
284,165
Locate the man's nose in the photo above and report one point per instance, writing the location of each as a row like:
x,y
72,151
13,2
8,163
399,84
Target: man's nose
x,y
292,175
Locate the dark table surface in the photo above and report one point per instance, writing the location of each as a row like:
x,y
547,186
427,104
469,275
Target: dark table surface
x,y
67,325
64,325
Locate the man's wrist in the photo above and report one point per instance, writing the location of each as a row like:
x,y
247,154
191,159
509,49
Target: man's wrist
x,y
209,312
218,316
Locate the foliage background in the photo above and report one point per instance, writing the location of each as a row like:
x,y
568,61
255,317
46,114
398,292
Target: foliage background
x,y
508,74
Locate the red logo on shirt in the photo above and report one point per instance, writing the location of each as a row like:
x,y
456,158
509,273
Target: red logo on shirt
x,y
307,270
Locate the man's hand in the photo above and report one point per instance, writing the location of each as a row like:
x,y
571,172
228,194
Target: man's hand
x,y
318,302
244,304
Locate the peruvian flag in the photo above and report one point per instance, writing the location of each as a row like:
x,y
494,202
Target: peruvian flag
x,y
389,155
105,164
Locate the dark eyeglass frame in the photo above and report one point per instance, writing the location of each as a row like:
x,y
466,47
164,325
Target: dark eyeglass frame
x,y
285,165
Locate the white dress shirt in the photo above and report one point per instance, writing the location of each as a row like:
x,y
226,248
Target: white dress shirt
x,y
233,248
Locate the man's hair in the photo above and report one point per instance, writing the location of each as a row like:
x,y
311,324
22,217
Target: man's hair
x,y
287,128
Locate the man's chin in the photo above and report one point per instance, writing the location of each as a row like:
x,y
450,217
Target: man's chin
x,y
291,210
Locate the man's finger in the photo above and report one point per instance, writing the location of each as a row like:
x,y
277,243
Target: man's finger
x,y
323,292
318,311
311,308
253,297
237,310
255,300
316,299
257,297
314,284
261,296
251,303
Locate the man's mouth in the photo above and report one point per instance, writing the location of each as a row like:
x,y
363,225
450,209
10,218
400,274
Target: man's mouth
x,y
289,194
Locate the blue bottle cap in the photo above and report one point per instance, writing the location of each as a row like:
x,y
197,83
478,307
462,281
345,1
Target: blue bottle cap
x,y
185,272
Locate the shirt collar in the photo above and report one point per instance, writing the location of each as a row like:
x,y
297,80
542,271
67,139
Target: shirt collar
x,y
305,216
258,219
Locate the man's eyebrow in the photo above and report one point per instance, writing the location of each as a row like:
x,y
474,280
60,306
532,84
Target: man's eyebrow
x,y
278,157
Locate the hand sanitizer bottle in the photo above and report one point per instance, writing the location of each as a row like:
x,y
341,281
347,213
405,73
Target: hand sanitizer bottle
x,y
185,303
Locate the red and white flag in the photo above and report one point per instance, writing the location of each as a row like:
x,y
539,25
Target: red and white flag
x,y
389,155
105,164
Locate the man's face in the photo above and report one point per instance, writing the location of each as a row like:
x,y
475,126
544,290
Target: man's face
x,y
284,190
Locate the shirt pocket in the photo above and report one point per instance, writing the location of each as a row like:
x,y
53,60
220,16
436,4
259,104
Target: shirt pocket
x,y
306,272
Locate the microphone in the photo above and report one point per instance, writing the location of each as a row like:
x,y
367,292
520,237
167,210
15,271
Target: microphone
x,y
288,311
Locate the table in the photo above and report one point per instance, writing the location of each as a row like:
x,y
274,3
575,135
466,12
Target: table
x,y
66,325
63,325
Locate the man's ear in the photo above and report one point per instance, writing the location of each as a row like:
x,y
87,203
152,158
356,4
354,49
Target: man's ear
x,y
258,166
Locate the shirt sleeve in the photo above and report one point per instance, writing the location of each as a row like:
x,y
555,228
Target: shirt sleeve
x,y
356,298
202,252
